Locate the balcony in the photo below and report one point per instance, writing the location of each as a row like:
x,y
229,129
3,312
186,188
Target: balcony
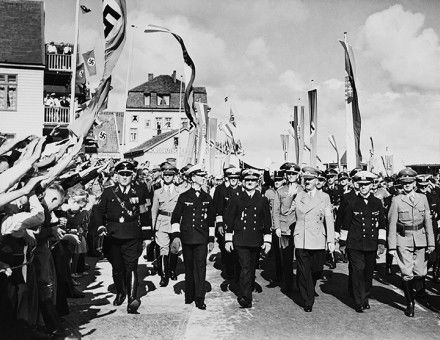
x,y
56,115
59,62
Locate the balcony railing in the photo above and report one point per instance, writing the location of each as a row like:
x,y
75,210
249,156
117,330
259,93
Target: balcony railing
x,y
56,115
59,62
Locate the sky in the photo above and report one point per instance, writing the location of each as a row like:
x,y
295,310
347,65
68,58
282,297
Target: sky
x,y
263,55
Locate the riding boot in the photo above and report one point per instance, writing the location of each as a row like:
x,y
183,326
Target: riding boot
x,y
50,316
388,264
409,296
173,264
164,273
118,279
131,281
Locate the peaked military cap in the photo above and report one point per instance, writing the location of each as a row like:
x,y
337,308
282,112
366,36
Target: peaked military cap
x,y
155,168
407,175
423,179
364,177
278,175
168,169
354,172
331,172
250,174
343,175
290,167
195,170
125,166
185,168
321,175
309,172
233,172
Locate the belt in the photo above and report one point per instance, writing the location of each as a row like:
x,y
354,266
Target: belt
x,y
402,227
125,220
165,213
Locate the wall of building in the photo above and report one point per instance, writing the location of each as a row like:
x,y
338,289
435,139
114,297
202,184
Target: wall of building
x,y
28,119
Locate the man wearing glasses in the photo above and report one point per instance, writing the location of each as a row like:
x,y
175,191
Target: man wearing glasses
x,y
363,233
192,224
248,229
118,218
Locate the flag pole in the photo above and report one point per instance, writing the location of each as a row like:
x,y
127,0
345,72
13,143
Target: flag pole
x,y
127,79
73,65
180,127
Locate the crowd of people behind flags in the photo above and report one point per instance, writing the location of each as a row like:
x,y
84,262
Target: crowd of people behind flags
x,y
57,205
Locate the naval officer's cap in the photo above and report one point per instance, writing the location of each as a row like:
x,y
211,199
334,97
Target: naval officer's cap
x,y
364,177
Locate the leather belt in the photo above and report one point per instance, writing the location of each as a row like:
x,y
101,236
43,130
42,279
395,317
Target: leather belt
x,y
402,227
125,220
165,213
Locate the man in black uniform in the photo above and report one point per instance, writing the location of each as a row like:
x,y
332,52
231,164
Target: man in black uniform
x,y
222,196
192,224
118,217
363,233
248,228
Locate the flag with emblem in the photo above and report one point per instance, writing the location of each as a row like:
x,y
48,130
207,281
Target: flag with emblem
x,y
90,62
190,71
353,115
115,22
80,78
313,111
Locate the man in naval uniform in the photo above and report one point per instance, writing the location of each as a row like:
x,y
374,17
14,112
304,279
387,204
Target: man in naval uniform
x,y
118,216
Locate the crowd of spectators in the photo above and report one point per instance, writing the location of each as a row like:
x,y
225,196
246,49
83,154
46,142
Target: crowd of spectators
x,y
59,48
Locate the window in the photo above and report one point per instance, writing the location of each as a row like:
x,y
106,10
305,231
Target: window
x,y
147,99
135,119
168,121
8,92
133,134
163,99
147,123
184,122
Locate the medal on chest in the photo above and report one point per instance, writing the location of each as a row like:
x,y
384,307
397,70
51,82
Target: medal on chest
x,y
121,219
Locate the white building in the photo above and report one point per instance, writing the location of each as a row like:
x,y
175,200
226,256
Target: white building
x,y
21,67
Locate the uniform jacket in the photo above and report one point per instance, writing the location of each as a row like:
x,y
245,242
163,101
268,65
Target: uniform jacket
x,y
405,213
164,200
194,217
109,212
283,213
345,198
222,197
314,226
363,224
247,220
335,194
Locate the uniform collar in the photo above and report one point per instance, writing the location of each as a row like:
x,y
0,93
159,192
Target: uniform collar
x,y
124,190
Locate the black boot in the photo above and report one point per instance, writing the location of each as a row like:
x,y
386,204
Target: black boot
x,y
164,271
118,279
409,296
50,316
173,264
388,264
132,286
200,303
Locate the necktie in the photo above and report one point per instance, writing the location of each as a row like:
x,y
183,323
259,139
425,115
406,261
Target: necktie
x,y
411,198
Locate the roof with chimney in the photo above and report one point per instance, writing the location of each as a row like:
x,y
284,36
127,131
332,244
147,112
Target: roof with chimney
x,y
164,84
22,32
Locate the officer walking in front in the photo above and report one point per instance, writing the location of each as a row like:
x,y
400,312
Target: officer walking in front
x,y
192,223
363,234
410,236
313,234
164,201
248,229
118,218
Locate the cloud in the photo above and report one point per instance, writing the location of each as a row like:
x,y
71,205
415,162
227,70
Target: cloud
x,y
293,81
408,52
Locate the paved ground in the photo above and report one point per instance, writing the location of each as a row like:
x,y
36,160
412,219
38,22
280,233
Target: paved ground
x,y
163,314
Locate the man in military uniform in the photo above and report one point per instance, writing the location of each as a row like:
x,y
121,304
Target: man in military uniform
x,y
313,234
363,234
222,196
182,180
284,219
248,224
118,218
164,201
193,222
410,235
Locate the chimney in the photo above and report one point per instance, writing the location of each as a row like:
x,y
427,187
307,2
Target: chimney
x,y
150,76
174,76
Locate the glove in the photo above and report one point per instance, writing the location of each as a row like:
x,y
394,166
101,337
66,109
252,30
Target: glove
x,y
220,229
102,231
392,252
229,247
278,232
210,246
380,249
337,236
430,250
175,245
331,247
4,268
266,247
342,249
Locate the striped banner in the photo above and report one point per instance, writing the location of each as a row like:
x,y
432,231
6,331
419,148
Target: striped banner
x,y
313,111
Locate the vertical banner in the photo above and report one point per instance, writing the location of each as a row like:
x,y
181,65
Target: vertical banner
x,y
313,111
352,113
295,127
90,61
285,146
190,147
301,144
212,139
107,136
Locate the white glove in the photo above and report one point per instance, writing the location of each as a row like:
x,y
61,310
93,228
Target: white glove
x,y
266,247
278,232
331,247
102,231
392,252
229,247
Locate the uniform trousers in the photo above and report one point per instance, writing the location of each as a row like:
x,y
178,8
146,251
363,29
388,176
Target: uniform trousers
x,y
228,260
247,257
123,254
310,263
361,265
412,261
282,249
163,240
194,258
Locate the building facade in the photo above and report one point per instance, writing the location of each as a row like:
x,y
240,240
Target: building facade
x,y
22,60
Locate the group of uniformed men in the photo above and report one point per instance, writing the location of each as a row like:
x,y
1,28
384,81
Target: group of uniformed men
x,y
298,213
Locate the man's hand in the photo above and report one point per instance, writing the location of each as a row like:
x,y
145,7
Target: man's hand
x,y
221,230
331,247
29,238
380,249
5,269
210,246
278,232
59,233
430,250
102,231
229,247
342,249
392,252
175,245
266,247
